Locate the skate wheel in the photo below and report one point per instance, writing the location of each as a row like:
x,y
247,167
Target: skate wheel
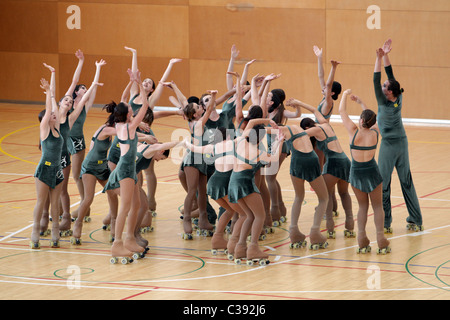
x,y
388,230
276,223
349,234
75,241
283,219
250,263
113,260
238,261
35,245
214,252
335,213
331,235
230,257
154,214
262,237
187,236
54,243
87,219
138,255
264,262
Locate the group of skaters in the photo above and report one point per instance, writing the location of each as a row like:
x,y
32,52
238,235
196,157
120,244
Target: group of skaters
x,y
230,158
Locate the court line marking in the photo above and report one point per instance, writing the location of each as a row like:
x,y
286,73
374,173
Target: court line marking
x,y
29,226
11,133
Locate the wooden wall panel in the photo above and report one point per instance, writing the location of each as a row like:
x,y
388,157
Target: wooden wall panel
x,y
28,26
156,31
278,33
265,34
418,37
21,74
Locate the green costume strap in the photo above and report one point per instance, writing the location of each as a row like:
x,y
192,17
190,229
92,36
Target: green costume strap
x,y
76,142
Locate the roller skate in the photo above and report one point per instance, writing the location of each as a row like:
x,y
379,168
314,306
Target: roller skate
x,y
364,243
106,227
331,234
349,234
120,253
205,228
205,232
297,238
256,257
64,225
54,243
414,227
122,260
44,230
318,241
153,213
388,230
35,244
75,241
364,250
240,253
107,222
131,244
218,244
187,236
231,245
383,244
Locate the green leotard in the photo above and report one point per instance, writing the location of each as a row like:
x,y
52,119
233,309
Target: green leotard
x,y
76,142
217,186
96,162
336,164
304,165
242,183
64,129
319,108
126,167
364,176
49,168
142,162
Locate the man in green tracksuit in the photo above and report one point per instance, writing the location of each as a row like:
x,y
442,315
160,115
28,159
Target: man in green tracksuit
x,y
394,144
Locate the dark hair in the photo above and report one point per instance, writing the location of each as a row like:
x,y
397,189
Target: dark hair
x,y
395,87
201,100
307,123
193,99
189,111
148,117
74,93
255,112
166,152
369,118
153,87
278,97
336,88
220,134
118,113
257,133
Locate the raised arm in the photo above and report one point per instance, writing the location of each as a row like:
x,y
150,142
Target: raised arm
x,y
134,66
209,148
381,98
245,72
44,127
180,96
320,118
326,108
263,105
79,107
238,103
320,70
348,123
98,66
77,73
386,61
234,55
136,77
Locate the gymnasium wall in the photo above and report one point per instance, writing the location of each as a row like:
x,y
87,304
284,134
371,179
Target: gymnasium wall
x,y
280,34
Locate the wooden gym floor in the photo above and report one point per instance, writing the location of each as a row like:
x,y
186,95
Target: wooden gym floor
x,y
417,268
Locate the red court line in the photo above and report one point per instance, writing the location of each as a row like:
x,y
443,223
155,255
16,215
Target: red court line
x,y
25,177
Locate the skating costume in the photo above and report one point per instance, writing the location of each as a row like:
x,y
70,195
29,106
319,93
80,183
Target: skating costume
x,y
135,108
230,110
193,159
319,108
217,187
364,176
142,162
76,141
284,147
96,162
242,183
49,169
336,164
394,152
126,167
304,165
65,154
